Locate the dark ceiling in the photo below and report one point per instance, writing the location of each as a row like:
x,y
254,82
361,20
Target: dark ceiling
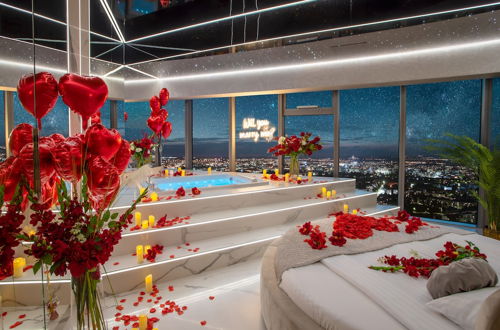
x,y
139,19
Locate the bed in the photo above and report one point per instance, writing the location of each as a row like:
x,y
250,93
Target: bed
x,y
340,292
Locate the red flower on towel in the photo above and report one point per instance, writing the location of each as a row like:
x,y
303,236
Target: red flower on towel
x,y
337,239
317,239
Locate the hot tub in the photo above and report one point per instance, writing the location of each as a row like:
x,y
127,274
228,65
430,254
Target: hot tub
x,y
204,181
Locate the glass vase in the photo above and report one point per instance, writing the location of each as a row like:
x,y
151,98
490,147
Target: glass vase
x,y
86,308
294,166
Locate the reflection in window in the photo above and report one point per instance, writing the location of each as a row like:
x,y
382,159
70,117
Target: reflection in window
x,y
173,147
211,134
56,121
321,162
321,99
369,136
495,114
256,125
435,187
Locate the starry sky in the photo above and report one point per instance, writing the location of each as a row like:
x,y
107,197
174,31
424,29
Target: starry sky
x,y
369,119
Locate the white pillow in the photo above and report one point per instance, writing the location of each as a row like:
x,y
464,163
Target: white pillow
x,y
462,308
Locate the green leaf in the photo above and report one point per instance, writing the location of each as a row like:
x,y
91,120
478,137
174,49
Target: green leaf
x,y
36,266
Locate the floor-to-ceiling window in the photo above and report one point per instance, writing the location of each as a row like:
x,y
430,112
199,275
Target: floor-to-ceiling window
x,y
369,137
173,147
321,162
495,114
256,126
435,187
211,134
136,126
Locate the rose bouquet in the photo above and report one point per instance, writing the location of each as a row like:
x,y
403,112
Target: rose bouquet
x,y
294,146
81,237
141,150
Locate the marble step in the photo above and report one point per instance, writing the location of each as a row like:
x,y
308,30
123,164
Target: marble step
x,y
125,274
237,198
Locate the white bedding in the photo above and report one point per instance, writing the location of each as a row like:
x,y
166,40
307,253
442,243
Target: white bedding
x,y
324,292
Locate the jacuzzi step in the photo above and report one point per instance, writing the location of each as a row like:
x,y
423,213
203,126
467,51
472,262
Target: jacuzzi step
x,y
239,198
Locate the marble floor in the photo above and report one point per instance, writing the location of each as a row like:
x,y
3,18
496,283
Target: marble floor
x,y
226,298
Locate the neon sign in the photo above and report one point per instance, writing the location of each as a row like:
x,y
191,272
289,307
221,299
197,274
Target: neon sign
x,y
255,129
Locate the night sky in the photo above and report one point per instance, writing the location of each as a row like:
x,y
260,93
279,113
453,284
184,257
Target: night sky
x,y
369,119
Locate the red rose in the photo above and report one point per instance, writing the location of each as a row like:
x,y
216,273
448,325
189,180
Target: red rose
x,y
196,191
180,192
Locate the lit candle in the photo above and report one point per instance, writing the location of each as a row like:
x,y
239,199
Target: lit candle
x,y
277,172
143,322
183,173
323,192
309,176
334,193
149,283
145,224
264,172
328,194
31,233
18,266
287,177
139,251
355,211
209,170
154,197
138,216
179,169
146,249
299,178
151,221
166,172
346,208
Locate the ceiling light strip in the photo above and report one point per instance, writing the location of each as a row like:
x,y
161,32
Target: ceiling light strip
x,y
144,73
163,47
259,11
394,20
108,51
114,70
112,19
424,51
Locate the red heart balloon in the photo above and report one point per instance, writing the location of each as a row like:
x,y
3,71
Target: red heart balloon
x,y
101,141
68,157
103,181
84,95
20,136
154,103
125,116
96,118
10,175
122,157
49,192
156,123
45,92
166,129
57,138
47,169
164,96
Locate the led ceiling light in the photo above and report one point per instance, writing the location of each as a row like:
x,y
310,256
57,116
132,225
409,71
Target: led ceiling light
x,y
424,51
259,11
393,20
112,19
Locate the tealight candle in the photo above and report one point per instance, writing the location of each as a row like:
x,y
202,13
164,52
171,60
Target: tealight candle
x,y
139,251
179,169
209,170
146,249
143,322
145,224
183,173
328,194
277,171
154,197
287,177
264,172
334,193
299,178
346,208
309,176
323,192
18,266
149,283
166,172
355,211
151,221
138,217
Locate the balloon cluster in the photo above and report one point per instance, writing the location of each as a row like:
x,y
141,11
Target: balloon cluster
x,y
157,121
100,153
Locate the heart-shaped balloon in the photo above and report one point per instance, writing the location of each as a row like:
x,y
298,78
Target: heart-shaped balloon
x,y
68,157
10,176
49,193
125,116
47,169
156,124
166,129
84,95
20,136
101,141
103,181
154,103
96,118
164,97
57,138
43,87
122,157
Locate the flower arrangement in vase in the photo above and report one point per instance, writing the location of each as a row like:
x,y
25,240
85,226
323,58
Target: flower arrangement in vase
x,y
142,151
294,146
80,238
157,120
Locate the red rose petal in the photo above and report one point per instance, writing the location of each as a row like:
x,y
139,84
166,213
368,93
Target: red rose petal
x,y
211,297
203,323
15,325
170,288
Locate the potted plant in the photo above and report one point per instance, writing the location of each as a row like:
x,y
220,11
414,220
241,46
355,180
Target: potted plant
x,y
485,163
